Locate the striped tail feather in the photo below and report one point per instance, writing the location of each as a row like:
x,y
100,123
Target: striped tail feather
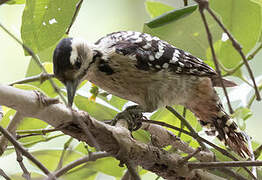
x,y
228,132
205,104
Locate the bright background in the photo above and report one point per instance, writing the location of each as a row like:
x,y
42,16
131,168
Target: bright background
x,y
96,19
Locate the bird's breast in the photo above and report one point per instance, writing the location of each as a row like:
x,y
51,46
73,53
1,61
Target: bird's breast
x,y
151,89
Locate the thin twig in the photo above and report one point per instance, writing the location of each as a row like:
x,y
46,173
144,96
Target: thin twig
x,y
71,165
258,151
182,119
37,60
74,16
252,157
15,121
40,77
200,165
185,2
231,173
19,159
4,175
202,6
252,99
126,176
38,131
235,44
1,113
132,171
31,143
66,145
181,122
250,57
26,135
196,136
35,132
186,159
23,150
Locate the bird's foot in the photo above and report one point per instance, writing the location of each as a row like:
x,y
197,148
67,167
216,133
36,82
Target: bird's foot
x,y
133,115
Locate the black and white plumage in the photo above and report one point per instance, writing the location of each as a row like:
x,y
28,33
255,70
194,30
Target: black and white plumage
x,y
153,53
150,72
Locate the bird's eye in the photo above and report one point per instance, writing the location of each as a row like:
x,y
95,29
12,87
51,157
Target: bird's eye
x,y
78,63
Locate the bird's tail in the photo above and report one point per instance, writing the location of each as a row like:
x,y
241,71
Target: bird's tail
x,y
217,122
227,131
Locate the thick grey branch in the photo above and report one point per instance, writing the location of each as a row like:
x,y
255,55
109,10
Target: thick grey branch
x,y
115,140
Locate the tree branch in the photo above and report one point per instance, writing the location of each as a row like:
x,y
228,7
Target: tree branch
x,y
161,137
209,165
250,57
19,159
202,6
85,159
185,2
66,145
23,150
258,151
18,117
196,136
182,119
4,175
132,171
36,59
238,47
115,140
74,16
40,77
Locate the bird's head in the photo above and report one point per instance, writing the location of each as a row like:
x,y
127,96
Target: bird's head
x,y
71,60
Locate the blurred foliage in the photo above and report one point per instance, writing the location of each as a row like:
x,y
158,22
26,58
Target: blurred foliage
x,y
236,23
45,22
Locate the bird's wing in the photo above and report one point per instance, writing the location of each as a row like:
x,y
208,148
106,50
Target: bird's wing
x,y
152,53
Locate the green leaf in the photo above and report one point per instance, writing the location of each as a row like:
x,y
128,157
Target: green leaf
x,y
7,117
167,117
96,110
82,172
115,101
8,164
243,19
30,124
242,113
168,17
108,165
142,135
26,87
161,8
187,33
50,158
45,22
15,2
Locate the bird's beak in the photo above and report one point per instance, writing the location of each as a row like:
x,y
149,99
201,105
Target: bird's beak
x,y
71,87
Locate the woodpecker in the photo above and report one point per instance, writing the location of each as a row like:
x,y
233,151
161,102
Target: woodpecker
x,y
152,73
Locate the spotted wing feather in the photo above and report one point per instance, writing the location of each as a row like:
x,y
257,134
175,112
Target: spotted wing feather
x,y
152,53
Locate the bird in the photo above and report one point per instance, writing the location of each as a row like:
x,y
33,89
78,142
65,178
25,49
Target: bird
x,y
152,73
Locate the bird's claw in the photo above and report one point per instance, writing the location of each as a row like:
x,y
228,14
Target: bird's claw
x,y
133,115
